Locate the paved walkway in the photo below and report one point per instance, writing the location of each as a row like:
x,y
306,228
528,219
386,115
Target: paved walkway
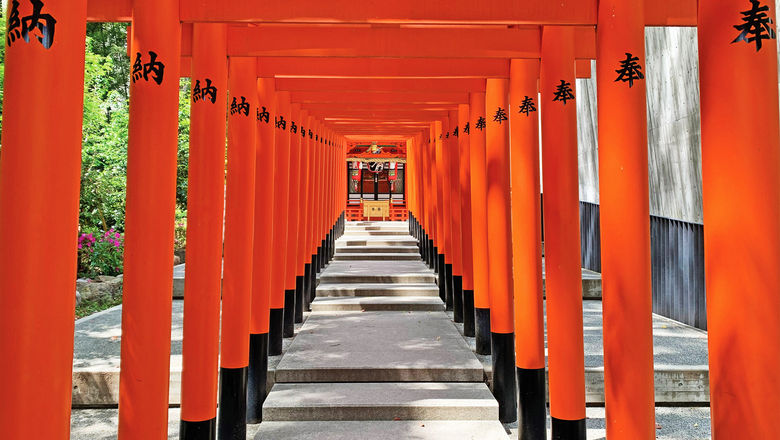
x,y
389,364
378,351
675,424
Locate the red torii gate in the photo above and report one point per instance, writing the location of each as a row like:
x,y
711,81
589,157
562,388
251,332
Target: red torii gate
x,y
741,161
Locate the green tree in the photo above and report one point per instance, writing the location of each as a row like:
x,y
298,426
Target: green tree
x,y
2,63
184,143
104,146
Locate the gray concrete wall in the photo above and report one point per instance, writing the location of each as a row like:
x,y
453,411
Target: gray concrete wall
x,y
674,146
673,125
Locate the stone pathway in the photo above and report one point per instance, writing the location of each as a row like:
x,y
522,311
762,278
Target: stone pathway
x,y
378,357
676,423
379,353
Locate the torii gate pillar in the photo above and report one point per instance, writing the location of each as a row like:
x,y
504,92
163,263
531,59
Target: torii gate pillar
x,y
566,358
149,226
39,181
625,221
527,249
741,184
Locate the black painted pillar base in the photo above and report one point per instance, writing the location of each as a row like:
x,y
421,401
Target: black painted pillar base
x,y
441,277
257,377
307,287
289,313
327,245
482,330
321,253
468,313
504,388
313,281
203,430
298,299
457,297
424,246
231,424
450,287
275,332
532,424
332,246
568,429
432,253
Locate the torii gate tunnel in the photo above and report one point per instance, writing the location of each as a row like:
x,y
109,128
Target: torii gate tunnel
x,y
464,85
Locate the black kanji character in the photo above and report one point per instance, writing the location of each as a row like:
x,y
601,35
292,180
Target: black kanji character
x,y
563,92
154,67
281,123
264,115
500,116
527,106
455,132
209,92
756,24
138,67
239,107
630,70
480,125
196,91
303,132
14,23
23,27
466,128
311,134
293,127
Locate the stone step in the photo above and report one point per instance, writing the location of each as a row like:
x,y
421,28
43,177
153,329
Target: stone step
x,y
377,249
378,303
377,228
379,402
379,347
383,430
370,256
412,278
376,289
360,233
378,223
389,240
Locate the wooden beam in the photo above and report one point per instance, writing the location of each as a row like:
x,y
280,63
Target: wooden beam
x,y
314,67
383,42
428,98
379,85
381,117
369,107
579,12
395,11
670,13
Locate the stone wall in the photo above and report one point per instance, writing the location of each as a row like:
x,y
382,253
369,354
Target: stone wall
x,y
673,125
674,146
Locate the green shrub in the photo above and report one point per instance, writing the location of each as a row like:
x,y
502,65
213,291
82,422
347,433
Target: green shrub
x,y
101,255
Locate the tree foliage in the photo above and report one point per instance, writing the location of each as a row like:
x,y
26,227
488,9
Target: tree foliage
x,y
106,114
105,128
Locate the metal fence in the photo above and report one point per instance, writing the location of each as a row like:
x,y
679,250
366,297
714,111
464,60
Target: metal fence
x,y
677,257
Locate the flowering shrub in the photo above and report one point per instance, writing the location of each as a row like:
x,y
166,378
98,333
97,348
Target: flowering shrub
x,y
180,235
101,255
